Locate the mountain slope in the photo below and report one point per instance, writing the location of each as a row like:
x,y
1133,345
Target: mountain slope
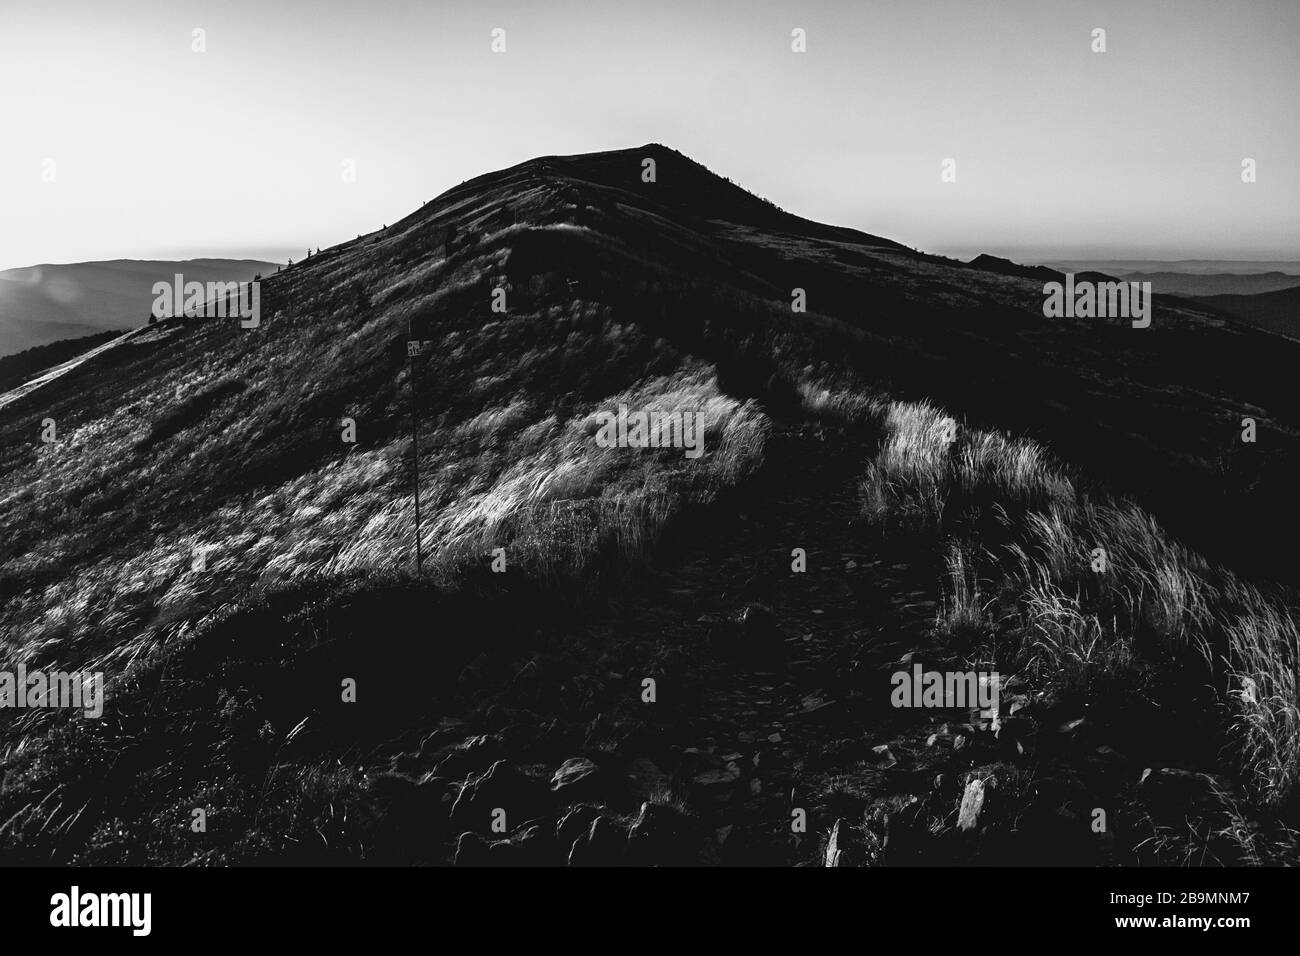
x,y
1006,267
1277,311
203,530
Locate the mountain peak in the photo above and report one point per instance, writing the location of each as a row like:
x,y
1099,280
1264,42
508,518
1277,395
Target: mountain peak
x,y
679,188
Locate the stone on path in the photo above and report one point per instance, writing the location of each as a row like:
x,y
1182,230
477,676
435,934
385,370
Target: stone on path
x,y
972,802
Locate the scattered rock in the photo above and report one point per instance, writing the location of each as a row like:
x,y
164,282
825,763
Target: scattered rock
x,y
1074,732
972,803
884,756
813,703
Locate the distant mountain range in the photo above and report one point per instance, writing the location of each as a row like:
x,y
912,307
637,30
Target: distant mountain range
x,y
1250,292
46,303
1119,267
1218,283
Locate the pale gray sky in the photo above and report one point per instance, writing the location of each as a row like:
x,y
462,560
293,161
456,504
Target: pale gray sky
x,y
1136,152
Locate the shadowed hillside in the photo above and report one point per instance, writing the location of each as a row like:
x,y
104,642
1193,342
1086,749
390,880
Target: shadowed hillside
x,y
22,366
1277,311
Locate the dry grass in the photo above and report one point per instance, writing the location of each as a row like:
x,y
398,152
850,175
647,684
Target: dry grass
x,y
964,609
546,493
1086,630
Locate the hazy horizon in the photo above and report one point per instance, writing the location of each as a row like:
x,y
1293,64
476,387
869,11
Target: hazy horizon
x,y
161,152
282,254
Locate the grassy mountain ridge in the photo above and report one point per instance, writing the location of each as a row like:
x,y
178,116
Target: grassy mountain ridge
x,y
204,438
1200,285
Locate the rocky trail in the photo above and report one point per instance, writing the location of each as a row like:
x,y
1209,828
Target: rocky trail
x,y
724,707
787,668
